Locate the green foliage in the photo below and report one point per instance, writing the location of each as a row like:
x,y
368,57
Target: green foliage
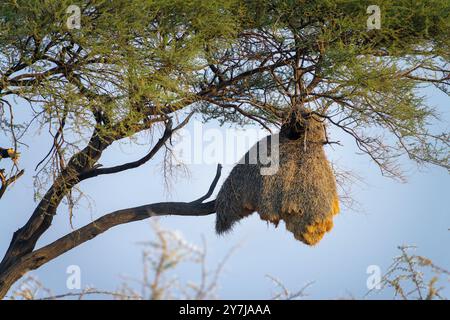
x,y
136,63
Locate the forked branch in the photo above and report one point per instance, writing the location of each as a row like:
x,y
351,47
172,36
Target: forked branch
x,y
37,258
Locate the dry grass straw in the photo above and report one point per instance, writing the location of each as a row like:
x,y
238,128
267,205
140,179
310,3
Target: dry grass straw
x,y
302,192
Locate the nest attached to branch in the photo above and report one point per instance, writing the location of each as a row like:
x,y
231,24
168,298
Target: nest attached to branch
x,y
302,192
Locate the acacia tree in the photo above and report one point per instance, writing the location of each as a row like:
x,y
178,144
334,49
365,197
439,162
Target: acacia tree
x,y
148,66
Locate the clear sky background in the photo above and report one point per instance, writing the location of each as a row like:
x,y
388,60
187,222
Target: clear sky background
x,y
390,214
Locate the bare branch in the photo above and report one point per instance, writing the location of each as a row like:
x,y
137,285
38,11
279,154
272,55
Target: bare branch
x,y
6,182
37,258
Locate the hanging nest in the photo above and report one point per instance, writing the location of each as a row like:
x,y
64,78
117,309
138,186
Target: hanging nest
x,y
302,192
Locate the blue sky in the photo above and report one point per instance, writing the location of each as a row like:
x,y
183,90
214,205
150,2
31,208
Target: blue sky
x,y
391,214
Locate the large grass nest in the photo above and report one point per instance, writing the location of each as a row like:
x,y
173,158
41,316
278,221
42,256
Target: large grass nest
x,y
302,192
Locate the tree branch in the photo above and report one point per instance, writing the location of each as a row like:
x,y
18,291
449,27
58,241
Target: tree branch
x,y
212,187
6,182
134,164
37,258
